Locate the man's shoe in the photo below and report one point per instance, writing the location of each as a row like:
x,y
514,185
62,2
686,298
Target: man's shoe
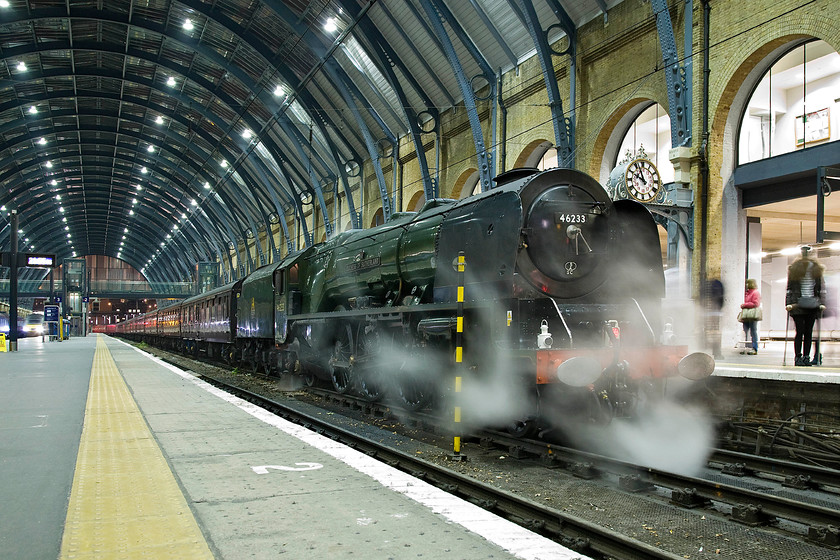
x,y
752,352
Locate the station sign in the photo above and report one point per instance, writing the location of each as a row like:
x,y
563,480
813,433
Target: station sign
x,y
32,260
51,313
39,260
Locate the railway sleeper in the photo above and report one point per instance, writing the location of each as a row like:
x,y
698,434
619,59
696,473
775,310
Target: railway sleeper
x,y
827,535
751,515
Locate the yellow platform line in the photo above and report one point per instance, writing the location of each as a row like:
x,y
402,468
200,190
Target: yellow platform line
x,y
125,502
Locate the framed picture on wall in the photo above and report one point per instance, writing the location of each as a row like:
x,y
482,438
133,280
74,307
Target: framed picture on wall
x,y
813,127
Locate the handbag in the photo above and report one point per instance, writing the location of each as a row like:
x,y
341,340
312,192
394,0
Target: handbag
x,y
750,314
808,302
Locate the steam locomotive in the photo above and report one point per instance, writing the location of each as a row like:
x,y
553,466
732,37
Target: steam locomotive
x,y
560,299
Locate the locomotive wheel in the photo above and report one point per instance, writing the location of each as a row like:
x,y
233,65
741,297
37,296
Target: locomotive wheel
x,y
341,361
413,393
371,382
309,378
370,386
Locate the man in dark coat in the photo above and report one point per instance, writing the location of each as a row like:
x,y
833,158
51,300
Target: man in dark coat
x,y
804,301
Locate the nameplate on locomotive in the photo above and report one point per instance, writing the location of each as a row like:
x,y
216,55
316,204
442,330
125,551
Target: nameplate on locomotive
x,y
364,264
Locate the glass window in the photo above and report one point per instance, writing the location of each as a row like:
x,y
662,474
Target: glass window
x,y
650,132
793,104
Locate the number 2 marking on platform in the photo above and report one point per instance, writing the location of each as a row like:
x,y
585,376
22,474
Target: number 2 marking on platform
x,y
300,467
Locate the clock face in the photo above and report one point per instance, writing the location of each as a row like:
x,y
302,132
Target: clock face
x,y
642,180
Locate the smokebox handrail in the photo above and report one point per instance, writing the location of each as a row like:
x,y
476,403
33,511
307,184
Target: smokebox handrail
x,y
644,317
563,320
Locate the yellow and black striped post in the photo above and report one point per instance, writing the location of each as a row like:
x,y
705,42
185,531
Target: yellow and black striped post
x,y
460,265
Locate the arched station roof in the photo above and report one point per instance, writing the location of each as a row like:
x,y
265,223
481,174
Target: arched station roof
x,y
167,132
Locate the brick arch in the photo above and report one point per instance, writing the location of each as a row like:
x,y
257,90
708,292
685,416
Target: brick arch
x,y
529,157
468,177
607,141
730,89
416,201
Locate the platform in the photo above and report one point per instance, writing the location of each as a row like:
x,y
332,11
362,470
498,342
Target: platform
x,y
110,453
774,362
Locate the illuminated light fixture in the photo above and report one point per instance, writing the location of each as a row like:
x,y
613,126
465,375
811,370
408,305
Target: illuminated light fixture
x,y
188,25
790,251
33,110
131,212
53,182
183,216
171,81
48,164
175,228
207,186
58,197
247,134
159,119
150,149
66,228
168,236
144,170
224,164
4,3
74,253
122,243
133,201
42,140
330,26
64,220
278,91
162,244
194,202
69,236
61,209
139,188
125,231
124,236
21,66
3,208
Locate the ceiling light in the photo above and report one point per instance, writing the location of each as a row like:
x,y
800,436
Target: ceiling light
x,y
330,26
4,3
144,170
21,66
139,188
58,197
194,202
224,164
61,209
48,164
188,25
33,110
125,230
42,140
183,216
53,182
69,236
159,119
124,236
133,201
64,220
247,134
278,91
162,244
207,185
168,236
171,81
175,228
131,212
151,149
66,228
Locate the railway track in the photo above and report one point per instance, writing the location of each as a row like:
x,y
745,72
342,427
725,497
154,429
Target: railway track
x,y
752,507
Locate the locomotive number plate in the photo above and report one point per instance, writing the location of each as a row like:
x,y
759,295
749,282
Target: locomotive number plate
x,y
563,218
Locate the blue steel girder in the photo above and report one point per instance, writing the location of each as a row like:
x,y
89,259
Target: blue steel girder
x,y
563,128
384,57
200,49
148,83
163,188
19,153
679,92
348,90
437,15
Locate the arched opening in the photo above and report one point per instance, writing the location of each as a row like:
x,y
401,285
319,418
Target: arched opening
x,y
416,202
649,133
378,218
467,184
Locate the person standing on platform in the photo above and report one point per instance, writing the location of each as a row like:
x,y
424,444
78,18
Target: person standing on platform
x,y
713,302
750,319
804,302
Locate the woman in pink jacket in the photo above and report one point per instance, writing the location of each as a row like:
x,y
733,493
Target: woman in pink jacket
x,y
752,299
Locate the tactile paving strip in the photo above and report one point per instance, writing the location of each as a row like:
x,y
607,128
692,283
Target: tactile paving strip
x,y
125,501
